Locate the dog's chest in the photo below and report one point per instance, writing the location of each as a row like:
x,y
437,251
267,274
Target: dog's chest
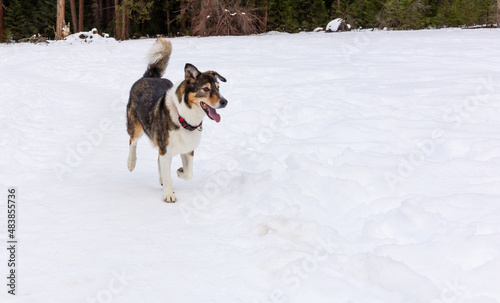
x,y
182,141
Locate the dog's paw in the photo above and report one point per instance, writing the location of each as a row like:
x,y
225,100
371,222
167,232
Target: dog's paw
x,y
185,176
169,198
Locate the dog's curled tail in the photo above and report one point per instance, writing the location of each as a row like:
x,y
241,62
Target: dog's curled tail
x,y
158,57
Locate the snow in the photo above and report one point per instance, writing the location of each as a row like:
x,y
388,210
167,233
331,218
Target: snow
x,y
368,174
88,37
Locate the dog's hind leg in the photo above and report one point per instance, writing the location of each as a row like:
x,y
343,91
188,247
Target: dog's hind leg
x,y
132,156
159,170
135,131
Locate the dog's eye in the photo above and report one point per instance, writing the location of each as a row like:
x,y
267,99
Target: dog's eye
x,y
206,89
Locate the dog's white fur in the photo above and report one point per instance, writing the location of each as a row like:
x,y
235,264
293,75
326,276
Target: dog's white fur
x,y
180,141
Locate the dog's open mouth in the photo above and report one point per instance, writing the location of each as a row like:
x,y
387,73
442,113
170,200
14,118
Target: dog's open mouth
x,y
211,112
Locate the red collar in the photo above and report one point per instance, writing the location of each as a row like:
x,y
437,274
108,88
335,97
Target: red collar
x,y
188,126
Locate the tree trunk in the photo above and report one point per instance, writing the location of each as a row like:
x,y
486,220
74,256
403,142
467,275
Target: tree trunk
x,y
73,15
125,22
498,13
193,14
80,17
108,17
143,28
2,26
127,27
99,14
96,13
118,20
338,4
264,22
60,19
183,17
168,19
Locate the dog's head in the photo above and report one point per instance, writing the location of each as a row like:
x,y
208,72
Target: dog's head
x,y
201,91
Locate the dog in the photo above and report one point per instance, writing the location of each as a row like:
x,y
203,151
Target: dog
x,y
171,116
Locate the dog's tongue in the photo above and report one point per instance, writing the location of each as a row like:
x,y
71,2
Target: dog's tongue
x,y
212,113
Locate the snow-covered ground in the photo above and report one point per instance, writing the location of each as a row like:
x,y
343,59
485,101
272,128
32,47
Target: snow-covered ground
x,y
357,167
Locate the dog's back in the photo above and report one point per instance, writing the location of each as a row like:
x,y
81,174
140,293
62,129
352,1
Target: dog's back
x,y
147,96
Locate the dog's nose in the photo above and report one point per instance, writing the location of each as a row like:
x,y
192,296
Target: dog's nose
x,y
223,102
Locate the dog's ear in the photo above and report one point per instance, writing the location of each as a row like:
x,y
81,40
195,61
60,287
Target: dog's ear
x,y
216,75
191,73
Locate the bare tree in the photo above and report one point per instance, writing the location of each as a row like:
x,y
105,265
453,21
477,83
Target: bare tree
x,y
80,17
73,15
223,17
2,25
60,23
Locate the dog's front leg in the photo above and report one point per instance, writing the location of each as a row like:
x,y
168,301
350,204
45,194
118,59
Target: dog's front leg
x,y
186,171
165,163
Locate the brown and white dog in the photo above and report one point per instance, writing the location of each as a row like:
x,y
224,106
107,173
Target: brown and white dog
x,y
171,116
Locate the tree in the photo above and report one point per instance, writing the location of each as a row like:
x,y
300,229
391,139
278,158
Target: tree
x,y
15,20
402,14
140,12
167,5
264,19
96,9
2,25
283,15
125,21
223,17
317,16
182,16
60,19
73,15
498,13
80,17
118,20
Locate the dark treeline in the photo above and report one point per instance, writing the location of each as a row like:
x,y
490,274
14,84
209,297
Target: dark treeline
x,y
134,18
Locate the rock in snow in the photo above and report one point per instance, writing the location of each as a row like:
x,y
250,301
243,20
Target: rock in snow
x,y
338,25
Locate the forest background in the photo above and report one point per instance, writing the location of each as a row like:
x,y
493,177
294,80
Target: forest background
x,y
125,19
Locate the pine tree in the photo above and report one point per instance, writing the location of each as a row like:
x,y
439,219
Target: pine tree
x,y
14,20
283,15
45,17
139,11
319,17
402,14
